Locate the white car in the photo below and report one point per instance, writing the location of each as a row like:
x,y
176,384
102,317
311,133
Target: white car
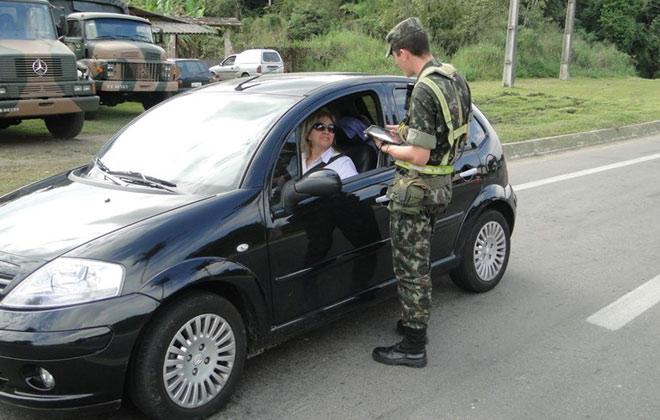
x,y
249,63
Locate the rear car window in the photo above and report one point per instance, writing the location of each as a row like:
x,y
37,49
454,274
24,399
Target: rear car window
x,y
271,57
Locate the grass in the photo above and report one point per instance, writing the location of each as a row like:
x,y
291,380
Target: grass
x,y
29,153
109,120
548,107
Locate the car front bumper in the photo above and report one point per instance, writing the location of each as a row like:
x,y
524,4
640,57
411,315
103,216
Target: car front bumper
x,y
34,108
128,86
86,348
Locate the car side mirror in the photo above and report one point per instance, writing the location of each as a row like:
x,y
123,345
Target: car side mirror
x,y
158,36
321,183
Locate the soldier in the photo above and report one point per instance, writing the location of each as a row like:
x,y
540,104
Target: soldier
x,y
435,124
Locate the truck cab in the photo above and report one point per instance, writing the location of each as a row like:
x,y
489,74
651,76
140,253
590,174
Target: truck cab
x,y
38,74
121,57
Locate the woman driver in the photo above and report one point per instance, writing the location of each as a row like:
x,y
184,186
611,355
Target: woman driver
x,y
317,151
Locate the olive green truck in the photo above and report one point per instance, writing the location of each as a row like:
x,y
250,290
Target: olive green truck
x,y
119,52
39,78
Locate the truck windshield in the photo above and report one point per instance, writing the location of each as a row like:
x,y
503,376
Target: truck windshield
x,y
201,143
26,21
109,28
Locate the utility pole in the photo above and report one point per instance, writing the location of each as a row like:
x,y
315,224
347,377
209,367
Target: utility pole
x,y
564,74
509,73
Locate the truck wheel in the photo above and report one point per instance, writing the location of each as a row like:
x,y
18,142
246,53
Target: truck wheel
x,y
486,254
65,126
154,99
190,359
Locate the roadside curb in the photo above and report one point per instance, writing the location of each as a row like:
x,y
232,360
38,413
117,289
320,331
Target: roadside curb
x,y
554,144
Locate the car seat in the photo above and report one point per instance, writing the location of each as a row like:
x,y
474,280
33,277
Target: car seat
x,y
351,141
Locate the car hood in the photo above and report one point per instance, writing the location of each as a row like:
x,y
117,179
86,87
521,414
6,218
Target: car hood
x,y
34,47
126,50
52,217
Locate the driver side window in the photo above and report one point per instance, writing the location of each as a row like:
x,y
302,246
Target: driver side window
x,y
287,168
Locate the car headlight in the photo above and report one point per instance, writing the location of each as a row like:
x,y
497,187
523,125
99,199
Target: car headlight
x,y
67,281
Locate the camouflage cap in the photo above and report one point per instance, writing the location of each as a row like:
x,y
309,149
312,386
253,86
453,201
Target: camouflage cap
x,y
402,30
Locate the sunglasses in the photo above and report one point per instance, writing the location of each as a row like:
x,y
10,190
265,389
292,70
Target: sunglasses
x,y
322,127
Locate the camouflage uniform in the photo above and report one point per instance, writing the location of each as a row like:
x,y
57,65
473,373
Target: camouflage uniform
x,y
416,199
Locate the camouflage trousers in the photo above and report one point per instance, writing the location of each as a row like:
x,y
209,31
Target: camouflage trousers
x,y
411,233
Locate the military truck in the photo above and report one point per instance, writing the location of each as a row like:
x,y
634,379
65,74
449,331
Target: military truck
x,y
120,54
38,73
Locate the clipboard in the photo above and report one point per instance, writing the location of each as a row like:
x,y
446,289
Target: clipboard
x,y
386,136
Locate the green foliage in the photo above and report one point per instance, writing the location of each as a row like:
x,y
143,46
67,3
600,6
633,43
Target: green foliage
x,y
631,25
308,21
337,51
538,55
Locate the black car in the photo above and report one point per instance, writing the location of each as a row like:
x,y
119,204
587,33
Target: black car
x,y
191,242
191,73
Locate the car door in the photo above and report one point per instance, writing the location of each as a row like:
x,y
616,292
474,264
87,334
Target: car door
x,y
326,250
227,69
466,186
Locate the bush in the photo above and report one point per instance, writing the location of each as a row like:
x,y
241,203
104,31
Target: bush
x,y
538,54
344,51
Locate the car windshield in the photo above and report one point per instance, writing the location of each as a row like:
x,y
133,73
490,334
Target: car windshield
x,y
118,29
26,21
200,143
192,67
271,57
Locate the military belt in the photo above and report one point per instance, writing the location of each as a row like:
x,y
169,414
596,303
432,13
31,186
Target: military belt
x,y
426,169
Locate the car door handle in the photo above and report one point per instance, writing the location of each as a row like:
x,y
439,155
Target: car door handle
x,y
469,173
382,199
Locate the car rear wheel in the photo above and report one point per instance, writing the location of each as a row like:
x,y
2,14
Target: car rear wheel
x,y
486,254
245,75
190,358
65,126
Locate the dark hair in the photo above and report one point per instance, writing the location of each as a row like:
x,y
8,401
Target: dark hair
x,y
417,43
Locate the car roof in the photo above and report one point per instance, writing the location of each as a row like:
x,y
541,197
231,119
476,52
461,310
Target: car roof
x,y
298,84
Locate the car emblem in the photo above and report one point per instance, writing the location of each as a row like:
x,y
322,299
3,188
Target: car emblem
x,y
40,67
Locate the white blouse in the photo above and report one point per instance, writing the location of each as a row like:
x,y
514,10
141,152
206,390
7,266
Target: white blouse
x,y
344,166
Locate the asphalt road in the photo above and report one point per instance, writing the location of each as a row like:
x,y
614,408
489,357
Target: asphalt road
x,y
524,350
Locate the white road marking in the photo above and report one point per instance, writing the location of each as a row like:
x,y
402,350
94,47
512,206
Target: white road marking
x,y
628,307
552,180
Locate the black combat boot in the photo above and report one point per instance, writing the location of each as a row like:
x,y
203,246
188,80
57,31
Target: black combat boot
x,y
411,351
401,330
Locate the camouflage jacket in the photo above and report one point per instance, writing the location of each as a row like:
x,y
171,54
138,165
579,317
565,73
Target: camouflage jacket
x,y
426,125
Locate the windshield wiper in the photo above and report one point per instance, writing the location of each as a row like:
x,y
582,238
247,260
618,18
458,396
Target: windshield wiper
x,y
141,179
134,178
107,173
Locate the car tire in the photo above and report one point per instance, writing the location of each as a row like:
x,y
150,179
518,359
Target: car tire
x,y
485,254
65,126
189,359
245,75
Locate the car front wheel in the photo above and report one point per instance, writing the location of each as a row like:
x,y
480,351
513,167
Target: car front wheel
x,y
190,358
486,254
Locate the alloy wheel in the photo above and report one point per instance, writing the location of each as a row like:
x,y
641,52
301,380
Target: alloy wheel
x,y
489,251
199,360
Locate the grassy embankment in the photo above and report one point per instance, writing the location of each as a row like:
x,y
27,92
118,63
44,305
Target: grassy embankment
x,y
533,108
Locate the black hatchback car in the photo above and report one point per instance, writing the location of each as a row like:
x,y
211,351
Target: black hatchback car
x,y
191,242
191,73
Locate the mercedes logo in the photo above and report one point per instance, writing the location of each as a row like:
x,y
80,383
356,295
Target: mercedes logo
x,y
40,67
